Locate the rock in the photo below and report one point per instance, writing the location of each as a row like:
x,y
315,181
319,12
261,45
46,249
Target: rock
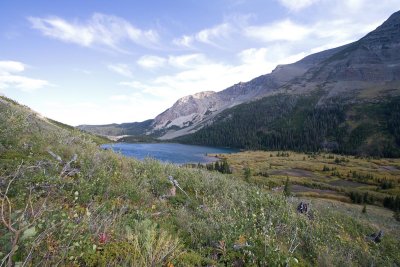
x,y
375,237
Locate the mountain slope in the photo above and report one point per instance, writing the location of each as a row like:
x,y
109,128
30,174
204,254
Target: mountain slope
x,y
357,81
348,102
191,113
116,211
370,65
134,128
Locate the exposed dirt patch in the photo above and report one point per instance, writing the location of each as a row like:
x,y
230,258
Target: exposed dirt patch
x,y
344,183
294,173
388,168
300,189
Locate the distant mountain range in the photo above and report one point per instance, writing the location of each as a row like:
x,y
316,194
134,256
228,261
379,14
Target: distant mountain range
x,y
344,99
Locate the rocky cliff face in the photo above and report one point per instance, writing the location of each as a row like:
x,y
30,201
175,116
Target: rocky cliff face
x,y
187,111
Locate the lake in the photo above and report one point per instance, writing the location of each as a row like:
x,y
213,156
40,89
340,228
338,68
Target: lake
x,y
169,152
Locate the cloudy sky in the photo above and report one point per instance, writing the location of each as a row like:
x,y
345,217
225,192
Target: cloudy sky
x,y
97,62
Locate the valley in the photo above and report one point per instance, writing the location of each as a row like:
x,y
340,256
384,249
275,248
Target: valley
x,y
296,167
344,100
92,207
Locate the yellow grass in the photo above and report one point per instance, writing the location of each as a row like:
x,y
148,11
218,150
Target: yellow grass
x,y
306,170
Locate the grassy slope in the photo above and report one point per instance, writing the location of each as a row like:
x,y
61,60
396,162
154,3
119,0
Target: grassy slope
x,y
111,212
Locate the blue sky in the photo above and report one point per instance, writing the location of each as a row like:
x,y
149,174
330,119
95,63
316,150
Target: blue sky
x,y
97,62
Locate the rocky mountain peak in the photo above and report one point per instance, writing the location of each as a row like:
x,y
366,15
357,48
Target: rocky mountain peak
x,y
386,34
204,94
194,97
372,59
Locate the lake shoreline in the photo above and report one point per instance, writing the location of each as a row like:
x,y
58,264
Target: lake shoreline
x,y
175,153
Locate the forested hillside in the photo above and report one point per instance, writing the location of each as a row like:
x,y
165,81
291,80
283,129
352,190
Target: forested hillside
x,y
301,123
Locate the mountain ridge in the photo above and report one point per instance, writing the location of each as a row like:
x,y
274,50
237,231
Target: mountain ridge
x,y
216,101
349,101
361,72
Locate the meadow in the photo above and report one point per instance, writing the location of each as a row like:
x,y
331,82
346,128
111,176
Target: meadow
x,y
322,175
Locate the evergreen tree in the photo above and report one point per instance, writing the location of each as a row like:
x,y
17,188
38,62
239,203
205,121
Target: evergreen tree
x,y
247,173
225,167
217,167
396,215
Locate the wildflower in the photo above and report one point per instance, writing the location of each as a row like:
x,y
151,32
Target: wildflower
x,y
103,238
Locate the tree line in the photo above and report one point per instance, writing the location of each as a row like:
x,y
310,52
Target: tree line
x,y
300,123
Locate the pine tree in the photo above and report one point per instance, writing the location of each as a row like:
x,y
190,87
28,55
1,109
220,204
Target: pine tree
x,y
247,173
225,167
396,215
216,166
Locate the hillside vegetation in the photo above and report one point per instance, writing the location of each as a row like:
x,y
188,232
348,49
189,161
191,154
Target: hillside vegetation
x,y
299,122
344,178
66,202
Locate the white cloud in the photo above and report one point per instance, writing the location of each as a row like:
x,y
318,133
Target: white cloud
x,y
184,41
20,82
355,4
328,32
195,72
11,66
187,61
8,78
249,56
210,36
151,62
296,5
121,69
284,30
332,23
103,30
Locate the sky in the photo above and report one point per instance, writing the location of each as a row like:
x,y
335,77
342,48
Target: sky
x,y
100,62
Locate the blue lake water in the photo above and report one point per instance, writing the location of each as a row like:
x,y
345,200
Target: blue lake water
x,y
169,152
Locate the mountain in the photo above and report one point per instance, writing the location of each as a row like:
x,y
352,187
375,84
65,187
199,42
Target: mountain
x,y
191,113
349,102
119,130
340,95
